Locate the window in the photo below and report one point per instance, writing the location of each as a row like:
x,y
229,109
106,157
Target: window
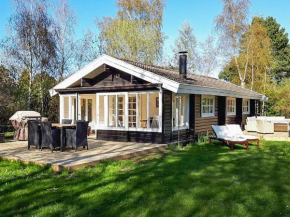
x,y
90,109
246,106
121,111
112,111
143,119
179,110
231,106
101,110
86,109
207,106
132,110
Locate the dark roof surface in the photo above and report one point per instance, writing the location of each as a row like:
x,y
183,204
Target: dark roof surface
x,y
192,79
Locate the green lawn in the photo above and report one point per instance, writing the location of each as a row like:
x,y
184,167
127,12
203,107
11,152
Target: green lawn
x,y
200,180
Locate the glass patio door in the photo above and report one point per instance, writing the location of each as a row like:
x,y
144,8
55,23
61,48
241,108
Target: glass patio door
x,y
86,109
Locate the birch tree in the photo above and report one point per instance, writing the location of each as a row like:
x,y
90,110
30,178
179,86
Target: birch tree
x,y
231,24
207,58
185,41
20,44
88,49
64,23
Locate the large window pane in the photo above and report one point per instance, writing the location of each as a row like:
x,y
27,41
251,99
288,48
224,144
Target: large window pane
x,y
112,113
121,111
83,109
174,110
154,110
65,107
181,103
90,110
101,110
132,110
143,110
74,109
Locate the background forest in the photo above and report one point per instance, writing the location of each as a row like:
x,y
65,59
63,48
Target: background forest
x,y
40,50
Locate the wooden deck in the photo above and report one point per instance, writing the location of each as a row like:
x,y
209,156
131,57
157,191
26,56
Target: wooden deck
x,y
71,160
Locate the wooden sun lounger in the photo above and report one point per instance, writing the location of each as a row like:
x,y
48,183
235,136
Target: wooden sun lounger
x,y
231,143
255,140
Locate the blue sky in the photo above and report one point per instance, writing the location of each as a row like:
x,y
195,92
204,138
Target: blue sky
x,y
199,13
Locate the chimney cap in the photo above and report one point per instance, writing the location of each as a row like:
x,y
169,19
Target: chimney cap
x,y
182,52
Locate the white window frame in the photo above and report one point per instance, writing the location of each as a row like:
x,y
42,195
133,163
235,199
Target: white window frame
x,y
70,104
127,128
234,106
246,106
212,114
176,127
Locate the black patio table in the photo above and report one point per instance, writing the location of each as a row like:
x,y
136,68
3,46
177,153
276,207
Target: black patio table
x,y
62,128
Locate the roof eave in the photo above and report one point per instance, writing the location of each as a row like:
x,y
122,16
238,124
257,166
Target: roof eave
x,y
197,89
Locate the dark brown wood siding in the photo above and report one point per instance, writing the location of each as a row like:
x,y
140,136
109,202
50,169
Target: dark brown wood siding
x,y
203,124
222,110
112,135
129,136
231,119
183,135
167,116
192,116
239,111
145,137
252,107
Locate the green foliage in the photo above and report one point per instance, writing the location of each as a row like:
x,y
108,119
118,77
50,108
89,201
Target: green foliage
x,y
279,46
136,33
201,180
279,99
7,91
203,137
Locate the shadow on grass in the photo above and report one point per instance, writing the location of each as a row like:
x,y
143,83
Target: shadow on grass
x,y
201,180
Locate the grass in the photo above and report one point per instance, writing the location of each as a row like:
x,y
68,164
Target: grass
x,y
200,180
9,134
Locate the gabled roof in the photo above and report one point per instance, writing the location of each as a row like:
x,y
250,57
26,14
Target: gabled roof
x,y
170,79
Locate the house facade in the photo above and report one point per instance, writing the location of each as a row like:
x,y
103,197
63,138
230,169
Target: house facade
x,y
130,101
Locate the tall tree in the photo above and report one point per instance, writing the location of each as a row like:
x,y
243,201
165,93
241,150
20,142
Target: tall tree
x,y
64,23
88,48
259,53
6,95
207,57
254,59
186,41
231,24
280,48
28,42
136,32
45,50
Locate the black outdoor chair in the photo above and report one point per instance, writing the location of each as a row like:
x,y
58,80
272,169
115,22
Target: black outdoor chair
x,y
34,134
66,121
77,137
50,137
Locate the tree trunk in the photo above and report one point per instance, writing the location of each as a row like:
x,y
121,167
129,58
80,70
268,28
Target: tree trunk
x,y
252,82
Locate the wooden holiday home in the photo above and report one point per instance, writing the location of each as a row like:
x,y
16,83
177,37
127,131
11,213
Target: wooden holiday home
x,y
131,101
